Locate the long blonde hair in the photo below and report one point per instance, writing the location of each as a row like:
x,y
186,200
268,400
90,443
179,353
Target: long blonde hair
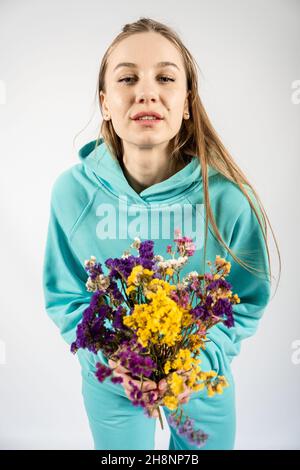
x,y
196,137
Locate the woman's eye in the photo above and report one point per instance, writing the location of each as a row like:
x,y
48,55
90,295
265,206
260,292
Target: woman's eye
x,y
129,78
168,78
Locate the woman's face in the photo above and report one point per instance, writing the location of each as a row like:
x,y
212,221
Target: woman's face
x,y
145,87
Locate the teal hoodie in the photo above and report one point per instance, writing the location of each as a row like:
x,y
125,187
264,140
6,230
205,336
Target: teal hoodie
x,y
94,211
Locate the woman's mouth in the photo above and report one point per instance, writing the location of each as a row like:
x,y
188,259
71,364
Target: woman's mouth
x,y
147,122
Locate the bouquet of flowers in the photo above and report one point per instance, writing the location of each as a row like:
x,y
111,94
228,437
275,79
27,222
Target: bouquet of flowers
x,y
143,317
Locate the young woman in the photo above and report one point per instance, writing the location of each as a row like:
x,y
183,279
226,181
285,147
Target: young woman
x,y
128,183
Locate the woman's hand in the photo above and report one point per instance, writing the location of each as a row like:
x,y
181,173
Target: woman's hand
x,y
147,386
185,395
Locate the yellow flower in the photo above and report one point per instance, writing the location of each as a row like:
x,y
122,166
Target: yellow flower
x,y
183,360
170,271
219,388
195,341
192,378
170,402
210,390
159,320
225,265
176,383
223,381
197,387
156,285
138,274
167,367
134,275
187,319
130,289
207,375
148,272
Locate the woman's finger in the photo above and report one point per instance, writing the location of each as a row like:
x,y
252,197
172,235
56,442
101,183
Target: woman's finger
x,y
162,384
154,413
185,395
112,363
121,371
145,395
145,386
117,367
184,373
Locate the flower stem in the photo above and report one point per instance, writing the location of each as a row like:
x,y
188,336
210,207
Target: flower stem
x,y
160,417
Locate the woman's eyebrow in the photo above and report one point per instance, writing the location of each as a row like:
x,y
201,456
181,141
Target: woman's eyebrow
x,y
159,64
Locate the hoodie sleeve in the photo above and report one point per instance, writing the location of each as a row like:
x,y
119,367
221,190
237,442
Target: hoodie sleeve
x,y
247,242
64,276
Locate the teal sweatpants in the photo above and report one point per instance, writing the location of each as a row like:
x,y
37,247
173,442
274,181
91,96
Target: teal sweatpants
x,y
118,425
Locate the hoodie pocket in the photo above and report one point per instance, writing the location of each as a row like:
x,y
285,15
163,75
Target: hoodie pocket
x,y
221,358
209,359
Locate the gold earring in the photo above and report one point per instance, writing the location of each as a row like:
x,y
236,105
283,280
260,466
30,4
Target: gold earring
x,y
187,114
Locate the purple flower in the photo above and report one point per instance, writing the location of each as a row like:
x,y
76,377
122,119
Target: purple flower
x,y
151,398
114,290
136,395
208,301
222,308
146,249
201,438
136,363
118,318
102,372
98,297
74,348
117,380
172,419
88,314
121,267
94,271
229,322
219,283
146,254
200,312
186,429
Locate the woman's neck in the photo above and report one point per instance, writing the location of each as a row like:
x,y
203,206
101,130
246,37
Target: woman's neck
x,y
140,181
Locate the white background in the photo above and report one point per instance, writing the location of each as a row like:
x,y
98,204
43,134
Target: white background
x,y
248,53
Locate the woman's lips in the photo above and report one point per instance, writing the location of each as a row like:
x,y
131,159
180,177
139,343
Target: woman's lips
x,y
147,122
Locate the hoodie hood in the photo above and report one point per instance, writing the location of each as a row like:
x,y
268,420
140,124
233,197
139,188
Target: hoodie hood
x,y
109,173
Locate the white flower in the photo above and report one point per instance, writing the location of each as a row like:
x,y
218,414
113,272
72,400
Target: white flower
x,y
90,262
192,275
90,285
101,282
136,244
182,260
173,263
164,264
